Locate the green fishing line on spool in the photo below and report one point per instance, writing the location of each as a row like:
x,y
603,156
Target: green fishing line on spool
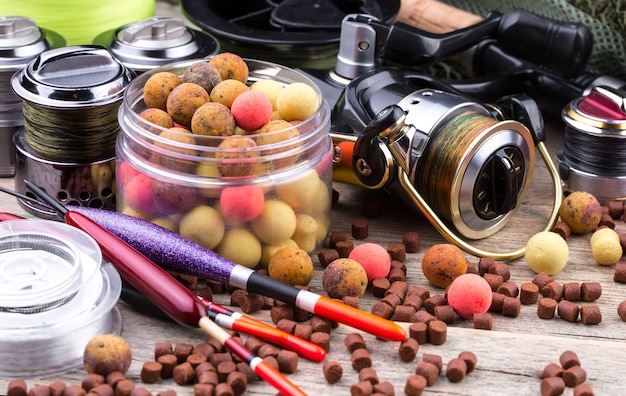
x,y
74,135
80,21
448,147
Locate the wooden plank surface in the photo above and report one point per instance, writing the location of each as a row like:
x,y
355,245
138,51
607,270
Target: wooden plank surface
x,y
510,357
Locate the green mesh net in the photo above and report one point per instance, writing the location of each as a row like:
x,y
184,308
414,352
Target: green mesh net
x,y
606,20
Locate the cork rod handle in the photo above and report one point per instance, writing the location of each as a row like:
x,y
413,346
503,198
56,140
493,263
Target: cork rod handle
x,y
434,16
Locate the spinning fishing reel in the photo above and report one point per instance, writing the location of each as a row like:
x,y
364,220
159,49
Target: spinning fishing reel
x,y
465,165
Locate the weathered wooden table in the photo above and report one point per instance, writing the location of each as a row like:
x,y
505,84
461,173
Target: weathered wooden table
x,y
510,357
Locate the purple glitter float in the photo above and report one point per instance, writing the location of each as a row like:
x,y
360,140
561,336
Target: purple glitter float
x,y
165,248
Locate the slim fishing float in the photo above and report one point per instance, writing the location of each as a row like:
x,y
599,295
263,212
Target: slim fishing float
x,y
173,252
171,296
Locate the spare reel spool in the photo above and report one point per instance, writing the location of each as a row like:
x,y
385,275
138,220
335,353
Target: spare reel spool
x,y
295,33
55,295
593,155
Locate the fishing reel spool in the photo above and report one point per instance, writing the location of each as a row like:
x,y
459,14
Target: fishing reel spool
x,y
465,165
593,153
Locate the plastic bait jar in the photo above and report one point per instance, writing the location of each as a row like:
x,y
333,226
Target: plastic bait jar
x,y
243,196
55,295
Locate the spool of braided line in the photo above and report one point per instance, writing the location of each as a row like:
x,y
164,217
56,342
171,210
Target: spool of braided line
x,y
70,99
593,155
55,295
80,21
21,40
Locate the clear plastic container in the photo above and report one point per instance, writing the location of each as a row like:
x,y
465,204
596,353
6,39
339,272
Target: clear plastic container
x,y
242,202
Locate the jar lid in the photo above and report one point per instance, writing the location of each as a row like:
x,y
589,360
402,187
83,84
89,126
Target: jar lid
x,y
72,77
156,41
21,40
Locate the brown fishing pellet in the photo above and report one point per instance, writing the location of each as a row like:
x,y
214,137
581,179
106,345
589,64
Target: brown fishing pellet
x,y
58,387
419,331
396,275
77,390
252,302
282,311
411,241
320,323
287,361
403,313
336,236
17,387
286,325
437,332
414,300
344,248
569,359
140,391
501,269
434,301
470,360
583,390
428,371
362,388
494,280
102,390
509,289
384,388
225,368
167,362
435,359
574,375
398,265
552,370
552,386
238,382
619,274
456,370
382,309
202,367
511,306
415,385
482,321
397,252
399,288
423,316
167,392
541,279
419,291
590,291
92,380
182,351
497,299
484,263
553,290
360,359
184,374
392,299
196,358
150,372
563,229
380,286
208,377
303,331
215,344
621,310
266,350
590,315
352,301
123,388
253,343
546,308
572,291
471,268
223,389
321,339
607,221
407,351
529,293
445,313
327,256
368,374
568,310
39,390
615,209
203,389
113,378
360,228
333,371
220,357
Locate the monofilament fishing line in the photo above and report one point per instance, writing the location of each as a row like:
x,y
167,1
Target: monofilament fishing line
x,y
80,21
55,295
